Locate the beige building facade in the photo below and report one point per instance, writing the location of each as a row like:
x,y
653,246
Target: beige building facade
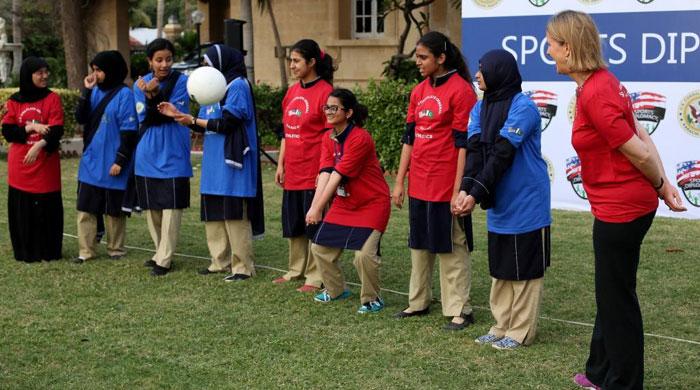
x,y
351,31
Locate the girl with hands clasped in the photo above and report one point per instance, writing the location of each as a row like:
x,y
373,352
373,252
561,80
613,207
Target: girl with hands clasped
x,y
231,184
434,147
33,125
350,176
107,112
162,159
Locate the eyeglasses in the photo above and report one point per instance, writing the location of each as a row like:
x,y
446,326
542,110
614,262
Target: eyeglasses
x,y
332,109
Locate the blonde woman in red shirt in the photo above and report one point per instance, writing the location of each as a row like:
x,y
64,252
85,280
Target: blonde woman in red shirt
x,y
623,177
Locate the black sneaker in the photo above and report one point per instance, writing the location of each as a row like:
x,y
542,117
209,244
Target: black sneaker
x,y
205,271
236,278
159,271
150,263
468,320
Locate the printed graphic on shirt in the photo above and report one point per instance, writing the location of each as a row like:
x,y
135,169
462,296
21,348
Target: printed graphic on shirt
x,y
689,113
573,175
429,110
487,3
140,107
649,109
571,110
29,115
293,113
546,102
688,179
539,3
550,168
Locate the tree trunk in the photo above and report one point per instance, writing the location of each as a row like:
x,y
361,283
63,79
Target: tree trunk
x,y
279,50
186,15
73,42
160,10
248,45
16,21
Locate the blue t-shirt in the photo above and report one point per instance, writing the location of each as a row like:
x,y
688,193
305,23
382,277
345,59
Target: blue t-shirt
x,y
98,157
164,150
522,196
218,178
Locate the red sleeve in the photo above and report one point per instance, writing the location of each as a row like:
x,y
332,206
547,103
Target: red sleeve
x,y
410,114
10,117
327,159
55,114
463,101
355,154
606,111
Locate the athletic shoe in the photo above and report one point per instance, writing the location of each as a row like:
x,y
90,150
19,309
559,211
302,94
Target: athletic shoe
x,y
506,343
371,306
324,297
582,381
159,271
307,288
149,263
280,280
205,271
487,339
236,278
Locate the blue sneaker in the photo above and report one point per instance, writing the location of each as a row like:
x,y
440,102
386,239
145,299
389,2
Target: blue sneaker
x,y
371,306
324,297
506,343
487,339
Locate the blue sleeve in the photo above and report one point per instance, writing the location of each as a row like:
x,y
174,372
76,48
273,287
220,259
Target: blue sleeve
x,y
474,120
179,97
523,121
239,102
139,104
126,118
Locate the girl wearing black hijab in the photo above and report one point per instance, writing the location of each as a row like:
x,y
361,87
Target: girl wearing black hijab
x,y
506,174
231,185
33,125
107,110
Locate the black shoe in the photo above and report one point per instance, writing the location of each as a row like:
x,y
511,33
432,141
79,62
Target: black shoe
x,y
236,278
98,237
205,271
150,263
405,314
116,257
159,271
78,260
468,320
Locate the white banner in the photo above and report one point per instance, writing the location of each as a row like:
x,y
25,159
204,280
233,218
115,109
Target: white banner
x,y
653,47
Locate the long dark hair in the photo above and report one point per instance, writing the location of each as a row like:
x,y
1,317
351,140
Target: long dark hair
x,y
437,43
349,101
308,48
159,44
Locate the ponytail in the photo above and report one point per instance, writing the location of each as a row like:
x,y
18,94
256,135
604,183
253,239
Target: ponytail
x,y
437,43
309,49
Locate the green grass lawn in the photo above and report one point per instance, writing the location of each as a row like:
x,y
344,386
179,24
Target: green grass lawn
x,y
108,324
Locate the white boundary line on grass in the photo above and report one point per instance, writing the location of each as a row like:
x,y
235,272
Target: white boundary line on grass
x,y
406,294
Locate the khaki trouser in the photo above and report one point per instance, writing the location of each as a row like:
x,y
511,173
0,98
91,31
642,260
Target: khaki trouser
x,y
230,245
515,304
87,230
455,277
164,227
302,262
366,262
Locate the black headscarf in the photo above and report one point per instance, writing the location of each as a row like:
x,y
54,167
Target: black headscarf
x,y
229,61
28,92
113,65
503,81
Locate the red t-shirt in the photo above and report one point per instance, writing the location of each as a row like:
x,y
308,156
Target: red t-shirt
x,y
304,123
353,155
44,174
618,192
437,111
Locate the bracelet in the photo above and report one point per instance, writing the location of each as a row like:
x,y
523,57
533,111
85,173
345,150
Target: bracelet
x,y
660,185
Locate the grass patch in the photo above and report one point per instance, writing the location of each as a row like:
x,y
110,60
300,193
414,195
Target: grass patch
x,y
108,324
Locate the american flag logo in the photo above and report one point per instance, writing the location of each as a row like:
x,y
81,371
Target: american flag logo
x,y
688,179
546,103
649,108
573,175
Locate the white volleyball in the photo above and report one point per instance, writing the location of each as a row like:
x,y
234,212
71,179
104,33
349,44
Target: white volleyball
x,y
206,85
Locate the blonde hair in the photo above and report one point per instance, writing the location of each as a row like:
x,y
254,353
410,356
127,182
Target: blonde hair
x,y
580,32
